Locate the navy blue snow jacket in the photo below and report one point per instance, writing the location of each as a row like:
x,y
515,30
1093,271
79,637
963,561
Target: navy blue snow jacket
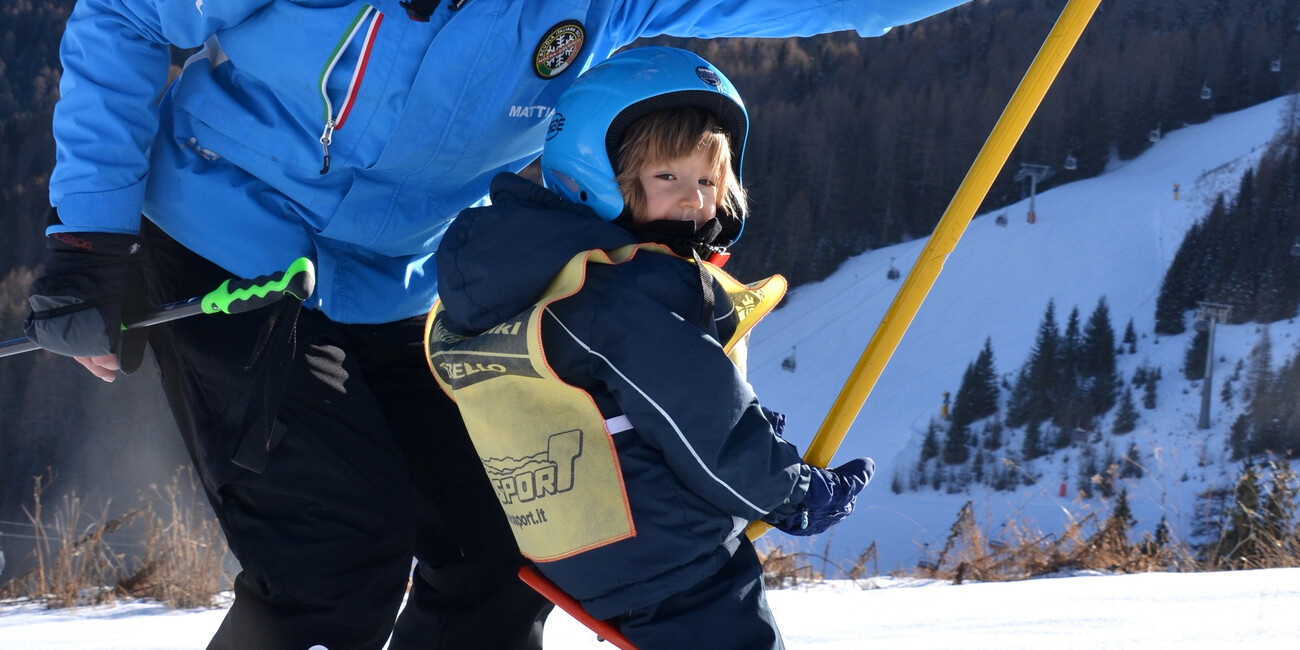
x,y
701,460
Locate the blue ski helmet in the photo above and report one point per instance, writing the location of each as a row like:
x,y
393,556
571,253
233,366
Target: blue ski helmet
x,y
592,115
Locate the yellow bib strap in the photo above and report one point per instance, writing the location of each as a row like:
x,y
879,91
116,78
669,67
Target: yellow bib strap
x,y
752,302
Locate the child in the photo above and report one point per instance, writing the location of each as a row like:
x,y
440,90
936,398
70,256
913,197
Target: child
x,y
587,344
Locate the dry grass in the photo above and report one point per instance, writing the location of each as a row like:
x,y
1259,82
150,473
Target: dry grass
x,y
73,560
184,550
1260,529
76,564
1257,528
1085,544
782,568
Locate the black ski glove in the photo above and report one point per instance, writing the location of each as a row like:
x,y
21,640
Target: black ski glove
x,y
77,304
830,498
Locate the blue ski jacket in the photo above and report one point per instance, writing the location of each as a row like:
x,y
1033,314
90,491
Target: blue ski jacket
x,y
698,457
345,131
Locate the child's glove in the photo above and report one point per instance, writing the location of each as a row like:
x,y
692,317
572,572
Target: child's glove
x,y
830,497
77,302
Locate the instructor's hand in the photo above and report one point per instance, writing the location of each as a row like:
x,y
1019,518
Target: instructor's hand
x,y
105,367
77,304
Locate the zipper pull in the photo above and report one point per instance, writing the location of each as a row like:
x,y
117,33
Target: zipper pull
x,y
325,139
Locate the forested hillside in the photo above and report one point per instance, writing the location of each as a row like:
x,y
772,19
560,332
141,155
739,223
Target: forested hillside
x,y
1077,393
862,142
856,143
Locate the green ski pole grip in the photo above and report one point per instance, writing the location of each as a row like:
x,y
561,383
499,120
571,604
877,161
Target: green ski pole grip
x,y
233,297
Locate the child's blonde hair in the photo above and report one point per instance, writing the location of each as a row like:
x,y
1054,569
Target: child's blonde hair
x,y
669,134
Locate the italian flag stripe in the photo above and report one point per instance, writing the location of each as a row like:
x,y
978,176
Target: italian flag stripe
x,y
360,71
358,21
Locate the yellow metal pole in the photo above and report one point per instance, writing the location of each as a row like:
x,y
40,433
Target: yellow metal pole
x,y
1006,133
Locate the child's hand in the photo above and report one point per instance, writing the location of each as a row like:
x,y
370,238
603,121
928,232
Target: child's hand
x,y
830,498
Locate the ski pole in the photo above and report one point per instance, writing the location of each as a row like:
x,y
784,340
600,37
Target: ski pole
x,y
920,279
232,297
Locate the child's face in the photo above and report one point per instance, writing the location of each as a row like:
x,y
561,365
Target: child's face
x,y
684,189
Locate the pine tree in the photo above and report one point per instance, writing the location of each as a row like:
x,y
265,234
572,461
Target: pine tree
x,y
1106,478
1071,405
1097,363
1061,437
993,434
1262,426
955,444
1020,399
1127,416
1243,542
930,444
1152,544
977,397
1286,411
986,392
1131,463
1176,289
1040,377
1032,445
1123,513
1149,391
1130,337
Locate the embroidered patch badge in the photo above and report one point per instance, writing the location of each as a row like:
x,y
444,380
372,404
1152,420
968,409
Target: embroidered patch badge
x,y
708,76
558,49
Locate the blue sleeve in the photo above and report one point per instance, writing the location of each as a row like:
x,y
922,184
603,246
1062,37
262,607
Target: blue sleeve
x,y
685,398
115,58
765,18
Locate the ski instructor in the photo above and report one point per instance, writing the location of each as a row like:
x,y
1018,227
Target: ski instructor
x,y
349,133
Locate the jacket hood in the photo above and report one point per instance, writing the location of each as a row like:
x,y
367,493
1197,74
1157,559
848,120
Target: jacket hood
x,y
496,261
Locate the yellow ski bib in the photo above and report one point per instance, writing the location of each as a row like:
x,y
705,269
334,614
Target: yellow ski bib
x,y
544,444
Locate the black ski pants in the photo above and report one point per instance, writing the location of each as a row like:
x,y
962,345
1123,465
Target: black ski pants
x,y
726,611
331,459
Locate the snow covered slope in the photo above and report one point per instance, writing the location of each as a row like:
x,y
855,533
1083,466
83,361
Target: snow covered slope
x,y
1113,236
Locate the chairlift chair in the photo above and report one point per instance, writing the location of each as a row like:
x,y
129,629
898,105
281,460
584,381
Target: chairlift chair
x,y
926,561
1275,65
788,363
1001,220
1295,248
1154,135
1071,163
892,273
1205,91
